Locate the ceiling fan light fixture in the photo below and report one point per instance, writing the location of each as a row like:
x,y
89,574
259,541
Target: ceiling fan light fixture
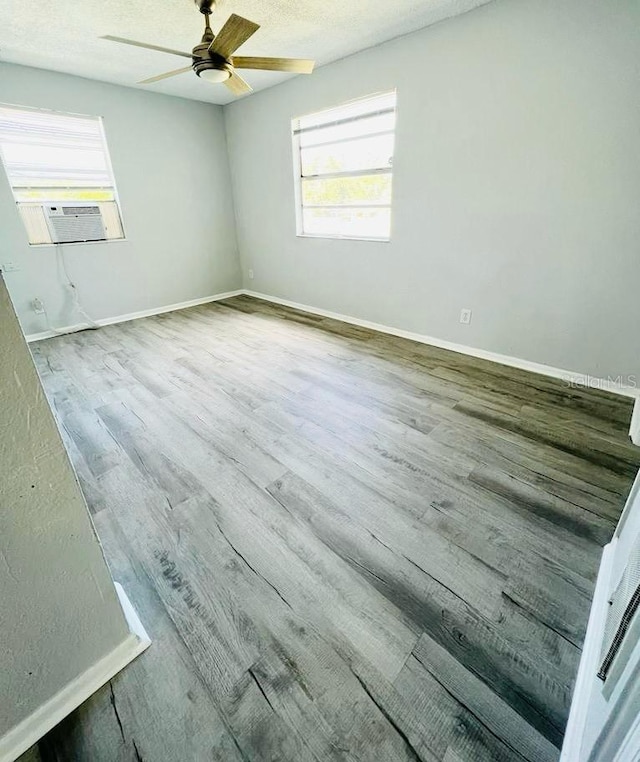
x,y
211,58
214,76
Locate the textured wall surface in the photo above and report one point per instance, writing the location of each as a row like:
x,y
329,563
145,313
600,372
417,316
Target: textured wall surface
x,y
170,163
59,612
516,179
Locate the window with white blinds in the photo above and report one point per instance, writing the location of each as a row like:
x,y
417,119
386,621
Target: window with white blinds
x,y
57,161
343,160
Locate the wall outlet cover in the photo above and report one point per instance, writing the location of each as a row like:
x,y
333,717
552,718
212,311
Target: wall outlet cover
x,y
465,316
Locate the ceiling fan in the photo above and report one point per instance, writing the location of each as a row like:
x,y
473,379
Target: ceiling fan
x,y
213,60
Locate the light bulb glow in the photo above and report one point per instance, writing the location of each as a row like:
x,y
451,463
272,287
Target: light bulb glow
x,y
215,75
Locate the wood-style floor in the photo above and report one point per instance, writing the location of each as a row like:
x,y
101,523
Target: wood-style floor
x,y
345,546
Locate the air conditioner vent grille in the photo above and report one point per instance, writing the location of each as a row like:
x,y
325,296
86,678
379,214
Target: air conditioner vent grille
x,y
75,223
76,210
623,606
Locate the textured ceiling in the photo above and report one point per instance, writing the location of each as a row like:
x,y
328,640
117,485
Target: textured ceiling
x,y
63,35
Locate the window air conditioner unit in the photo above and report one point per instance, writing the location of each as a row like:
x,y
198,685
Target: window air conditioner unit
x,y
75,223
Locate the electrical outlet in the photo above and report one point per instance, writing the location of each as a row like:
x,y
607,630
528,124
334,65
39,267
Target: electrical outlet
x,y
465,316
250,274
9,267
38,306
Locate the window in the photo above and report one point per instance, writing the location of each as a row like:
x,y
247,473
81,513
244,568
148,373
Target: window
x,y
60,174
343,158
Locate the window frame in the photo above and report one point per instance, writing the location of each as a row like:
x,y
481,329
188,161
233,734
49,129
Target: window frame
x,y
50,202
299,177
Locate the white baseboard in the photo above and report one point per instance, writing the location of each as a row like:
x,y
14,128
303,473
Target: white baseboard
x,y
31,729
578,379
132,316
589,661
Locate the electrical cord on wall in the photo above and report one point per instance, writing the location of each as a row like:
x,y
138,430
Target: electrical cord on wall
x,y
91,324
76,297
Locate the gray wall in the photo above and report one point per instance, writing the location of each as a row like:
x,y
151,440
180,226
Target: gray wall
x,y
170,163
56,589
516,187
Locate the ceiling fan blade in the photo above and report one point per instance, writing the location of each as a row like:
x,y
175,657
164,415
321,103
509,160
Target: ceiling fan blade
x,y
237,85
164,76
144,45
234,33
294,65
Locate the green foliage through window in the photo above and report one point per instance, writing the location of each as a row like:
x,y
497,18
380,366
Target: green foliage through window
x,y
345,159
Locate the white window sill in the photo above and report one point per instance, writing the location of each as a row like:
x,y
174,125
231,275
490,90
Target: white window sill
x,y
344,238
75,243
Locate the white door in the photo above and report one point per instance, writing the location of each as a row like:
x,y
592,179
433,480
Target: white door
x,y
604,723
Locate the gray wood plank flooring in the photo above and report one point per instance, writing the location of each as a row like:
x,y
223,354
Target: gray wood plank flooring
x,y
345,546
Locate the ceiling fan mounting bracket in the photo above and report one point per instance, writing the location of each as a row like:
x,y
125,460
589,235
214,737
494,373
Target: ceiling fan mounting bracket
x,y
206,6
208,36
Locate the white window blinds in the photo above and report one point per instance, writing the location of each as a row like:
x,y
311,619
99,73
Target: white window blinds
x,y
53,158
43,150
344,159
